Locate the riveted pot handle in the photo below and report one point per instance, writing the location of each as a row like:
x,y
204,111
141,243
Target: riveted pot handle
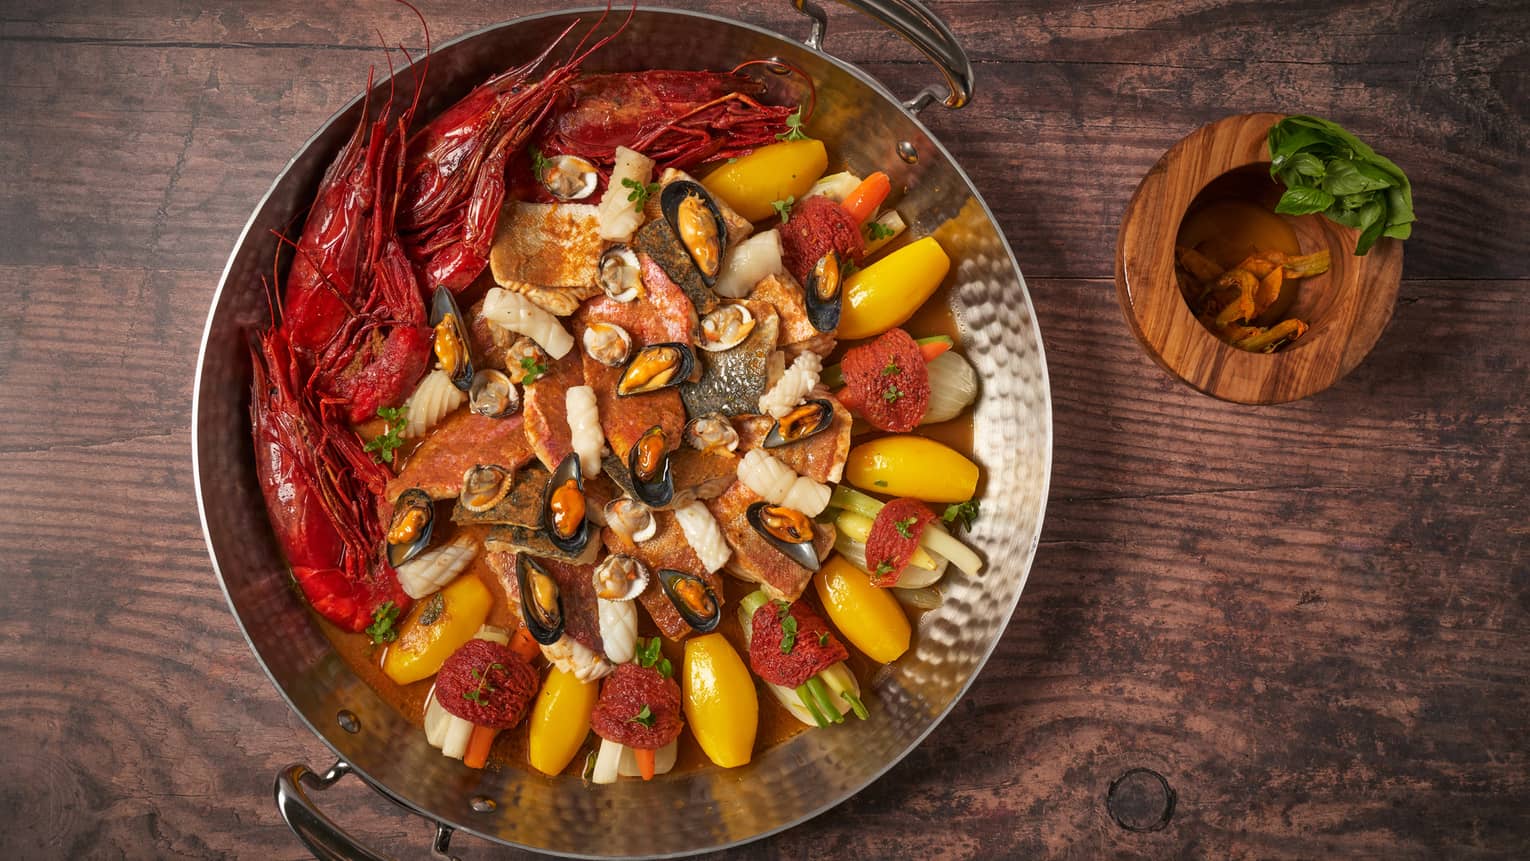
x,y
911,20
323,837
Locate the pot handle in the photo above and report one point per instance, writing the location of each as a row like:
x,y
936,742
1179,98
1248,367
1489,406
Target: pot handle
x,y
323,837
921,27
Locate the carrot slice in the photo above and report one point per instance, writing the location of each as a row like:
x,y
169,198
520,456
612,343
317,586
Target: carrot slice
x,y
479,742
933,349
864,199
522,644
645,763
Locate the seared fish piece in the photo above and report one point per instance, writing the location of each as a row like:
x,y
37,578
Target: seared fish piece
x,y
733,380
546,245
521,506
546,410
820,457
581,619
666,549
461,441
754,559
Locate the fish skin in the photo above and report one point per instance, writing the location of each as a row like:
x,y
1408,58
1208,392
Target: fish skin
x,y
732,381
458,443
658,241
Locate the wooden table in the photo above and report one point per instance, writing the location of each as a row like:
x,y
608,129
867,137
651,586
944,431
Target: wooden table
x,y
1312,621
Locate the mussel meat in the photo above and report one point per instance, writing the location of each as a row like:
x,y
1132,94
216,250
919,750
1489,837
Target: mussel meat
x,y
726,327
786,529
648,464
620,578
631,519
451,342
695,218
711,432
414,515
812,416
655,367
563,506
607,343
541,600
621,276
493,395
484,486
693,599
825,286
569,177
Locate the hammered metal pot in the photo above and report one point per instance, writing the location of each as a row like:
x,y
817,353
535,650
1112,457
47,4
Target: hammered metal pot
x,y
867,129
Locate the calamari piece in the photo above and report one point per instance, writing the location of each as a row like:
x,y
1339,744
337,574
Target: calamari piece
x,y
517,313
794,385
733,381
433,569
619,213
433,400
820,457
585,435
557,301
546,410
666,549
577,659
754,559
461,441
775,482
547,244
704,535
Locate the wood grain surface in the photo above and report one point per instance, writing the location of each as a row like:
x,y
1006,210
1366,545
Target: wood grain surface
x,y
1312,621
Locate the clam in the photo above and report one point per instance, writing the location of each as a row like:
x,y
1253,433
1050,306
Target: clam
x,y
631,519
813,416
607,343
620,578
621,276
648,464
484,486
450,342
786,529
822,292
563,506
726,328
414,515
541,600
569,177
711,432
693,598
655,367
492,394
695,218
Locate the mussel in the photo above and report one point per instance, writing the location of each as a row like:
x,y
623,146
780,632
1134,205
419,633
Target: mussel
x,y
726,327
648,465
493,395
607,343
484,486
693,599
451,342
711,432
563,506
621,276
631,519
787,529
695,218
655,367
414,515
821,294
541,600
620,578
812,416
569,177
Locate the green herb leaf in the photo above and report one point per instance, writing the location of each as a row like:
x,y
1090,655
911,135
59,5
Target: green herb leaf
x,y
391,438
883,568
961,515
640,191
1303,200
644,717
1314,157
892,393
823,639
876,231
539,164
788,633
783,208
1308,165
433,610
905,526
880,483
533,369
794,130
666,669
648,652
381,630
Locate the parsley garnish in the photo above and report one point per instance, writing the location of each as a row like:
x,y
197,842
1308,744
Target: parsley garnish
x,y
794,130
644,717
539,163
961,515
892,394
905,526
880,483
884,568
823,638
876,231
381,630
892,369
481,693
533,369
640,191
784,207
788,633
650,655
389,439
433,609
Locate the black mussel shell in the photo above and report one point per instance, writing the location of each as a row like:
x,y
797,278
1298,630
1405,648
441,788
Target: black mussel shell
x,y
810,417
823,291
684,590
450,341
654,487
414,515
761,514
572,537
541,600
646,370
696,220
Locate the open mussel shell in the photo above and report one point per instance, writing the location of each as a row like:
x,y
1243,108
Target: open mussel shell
x,y
414,515
648,465
484,486
786,529
631,519
492,394
450,340
655,367
823,291
569,177
693,599
621,276
810,417
697,221
711,432
541,600
607,343
726,327
563,506
620,578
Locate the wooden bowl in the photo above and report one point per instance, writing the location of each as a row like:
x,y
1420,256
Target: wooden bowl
x,y
1346,308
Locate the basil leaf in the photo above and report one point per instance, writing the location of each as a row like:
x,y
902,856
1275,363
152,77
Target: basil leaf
x,y
1369,235
1303,200
1307,164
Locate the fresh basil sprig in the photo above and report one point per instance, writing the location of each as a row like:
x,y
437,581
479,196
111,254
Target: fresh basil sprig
x,y
1326,169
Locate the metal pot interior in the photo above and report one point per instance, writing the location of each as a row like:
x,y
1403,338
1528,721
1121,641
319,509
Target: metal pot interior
x,y
713,808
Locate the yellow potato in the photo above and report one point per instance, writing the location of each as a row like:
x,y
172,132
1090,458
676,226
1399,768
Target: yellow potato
x,y
913,466
721,706
867,616
889,291
421,647
560,720
770,173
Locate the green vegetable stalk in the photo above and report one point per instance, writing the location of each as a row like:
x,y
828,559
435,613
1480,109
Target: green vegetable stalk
x,y
1326,169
